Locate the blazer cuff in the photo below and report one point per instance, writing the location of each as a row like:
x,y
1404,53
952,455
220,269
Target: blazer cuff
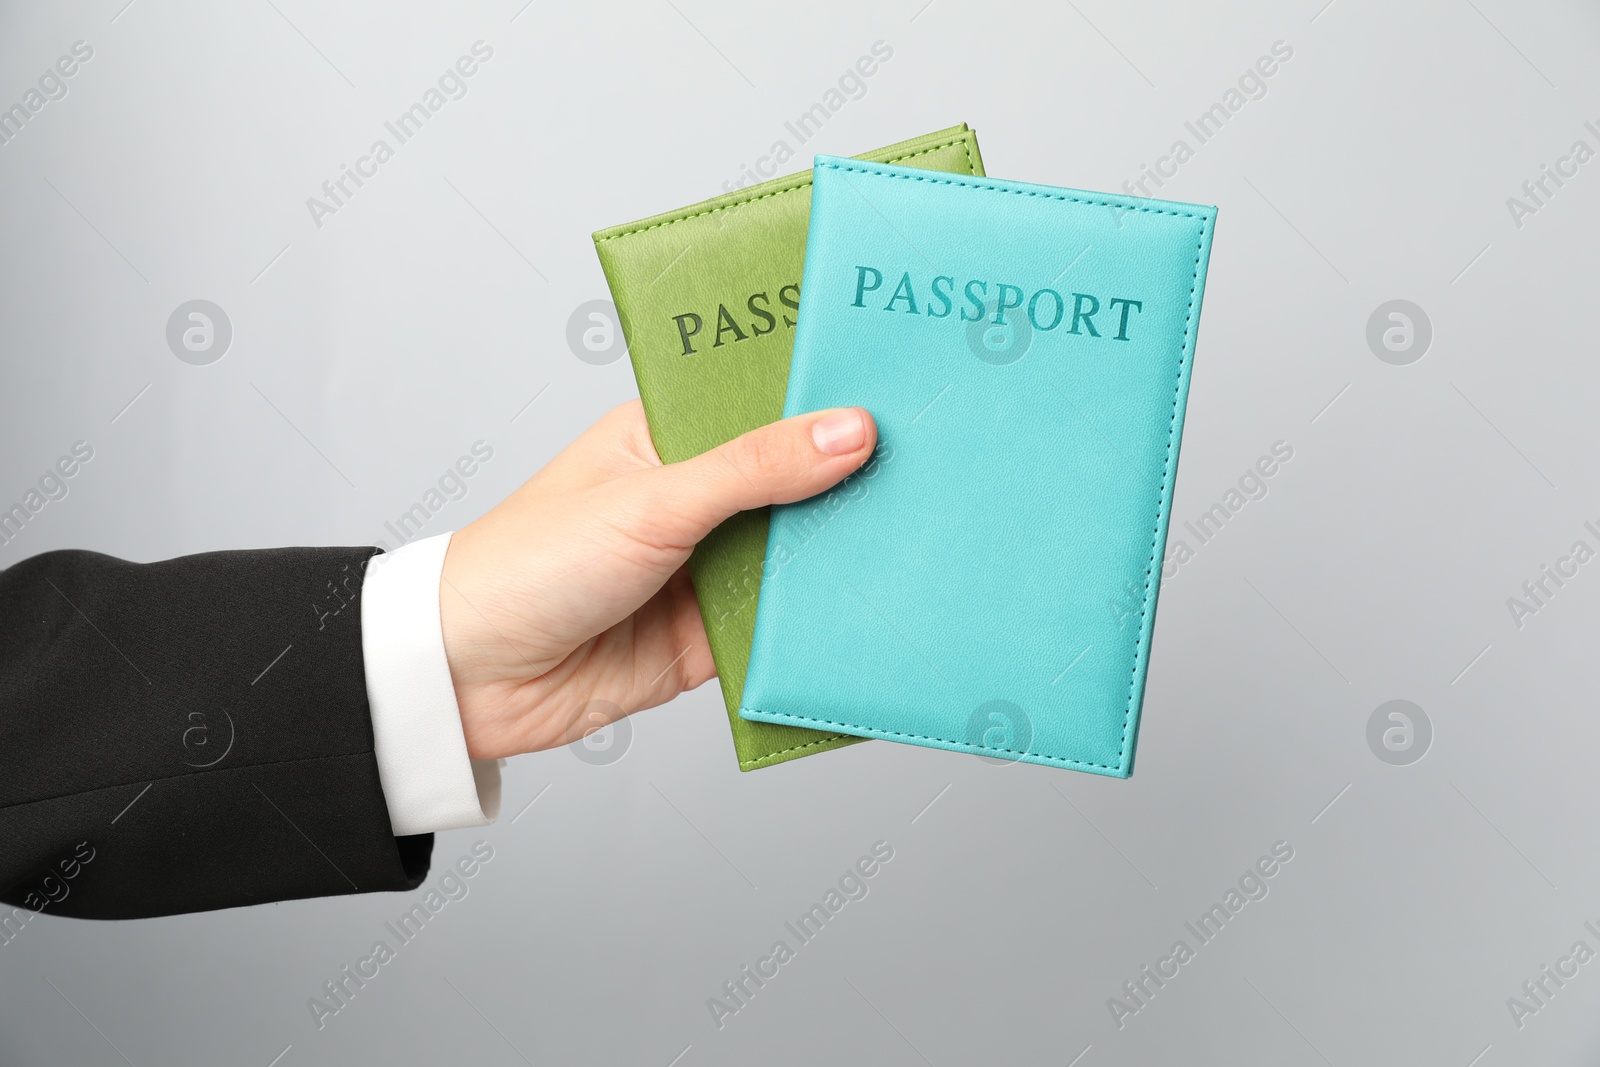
x,y
429,783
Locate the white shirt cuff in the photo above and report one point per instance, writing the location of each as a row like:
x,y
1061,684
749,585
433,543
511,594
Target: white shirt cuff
x,y
428,780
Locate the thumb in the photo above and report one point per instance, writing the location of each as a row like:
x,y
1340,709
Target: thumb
x,y
775,464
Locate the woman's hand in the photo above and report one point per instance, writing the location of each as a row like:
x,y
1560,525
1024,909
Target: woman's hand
x,y
573,589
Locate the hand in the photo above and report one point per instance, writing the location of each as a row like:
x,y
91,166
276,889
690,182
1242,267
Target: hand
x,y
574,588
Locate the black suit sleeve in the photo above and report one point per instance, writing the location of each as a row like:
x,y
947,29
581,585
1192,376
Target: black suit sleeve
x,y
188,735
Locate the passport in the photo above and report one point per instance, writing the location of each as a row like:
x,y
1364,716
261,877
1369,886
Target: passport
x,y
987,581
708,297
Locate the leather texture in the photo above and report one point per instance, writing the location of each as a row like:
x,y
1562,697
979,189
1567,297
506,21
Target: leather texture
x,y
708,296
987,582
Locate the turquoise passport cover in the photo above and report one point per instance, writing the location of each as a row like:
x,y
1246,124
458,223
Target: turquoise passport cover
x,y
987,581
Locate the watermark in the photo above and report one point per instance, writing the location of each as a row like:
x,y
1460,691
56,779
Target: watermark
x,y
1251,85
1128,605
1399,332
1538,991
851,85
51,888
1252,886
997,338
853,885
452,485
593,333
342,590
1250,486
1399,732
52,86
1538,191
1002,728
199,332
337,192
1541,589
744,588
340,991
607,735
206,749
51,486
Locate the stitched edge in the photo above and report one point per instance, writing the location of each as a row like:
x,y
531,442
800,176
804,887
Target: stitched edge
x,y
1166,487
991,187
1166,473
1023,754
773,756
806,184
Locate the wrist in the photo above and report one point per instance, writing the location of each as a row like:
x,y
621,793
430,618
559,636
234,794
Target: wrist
x,y
457,621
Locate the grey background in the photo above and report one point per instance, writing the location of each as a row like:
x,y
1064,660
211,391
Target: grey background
x,y
426,314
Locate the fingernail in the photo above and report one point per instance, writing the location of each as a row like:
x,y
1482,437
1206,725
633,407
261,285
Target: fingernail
x,y
840,433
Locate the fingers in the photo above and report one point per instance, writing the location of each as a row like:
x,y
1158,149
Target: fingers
x,y
787,461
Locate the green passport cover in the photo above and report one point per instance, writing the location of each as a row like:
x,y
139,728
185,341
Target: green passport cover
x,y
707,297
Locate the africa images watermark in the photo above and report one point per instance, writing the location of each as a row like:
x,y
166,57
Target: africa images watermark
x,y
1253,885
1203,529
1538,191
1538,991
1541,589
1251,85
52,86
52,888
852,885
337,192
52,485
851,85
452,485
339,991
818,513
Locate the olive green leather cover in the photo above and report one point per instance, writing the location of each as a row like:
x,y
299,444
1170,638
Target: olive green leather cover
x,y
707,297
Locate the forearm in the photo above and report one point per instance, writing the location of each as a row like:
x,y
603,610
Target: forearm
x,y
200,723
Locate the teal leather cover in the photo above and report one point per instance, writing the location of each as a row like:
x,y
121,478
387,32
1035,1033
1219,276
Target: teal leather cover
x,y
987,582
